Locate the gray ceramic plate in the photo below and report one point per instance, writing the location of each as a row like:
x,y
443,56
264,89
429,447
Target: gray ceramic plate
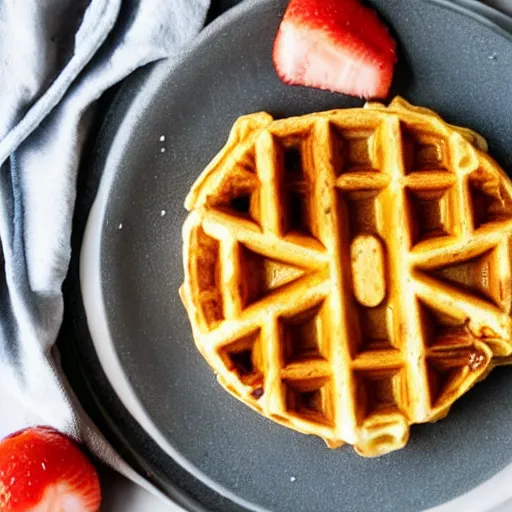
x,y
451,60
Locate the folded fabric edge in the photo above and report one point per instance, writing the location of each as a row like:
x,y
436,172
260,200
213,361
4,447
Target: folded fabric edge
x,y
102,24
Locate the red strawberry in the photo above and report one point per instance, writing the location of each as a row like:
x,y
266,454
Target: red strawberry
x,y
338,45
44,471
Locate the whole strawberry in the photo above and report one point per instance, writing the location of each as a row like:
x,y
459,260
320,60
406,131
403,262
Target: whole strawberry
x,y
339,45
42,470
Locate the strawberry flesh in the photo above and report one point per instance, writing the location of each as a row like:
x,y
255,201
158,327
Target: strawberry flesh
x,y
42,470
338,45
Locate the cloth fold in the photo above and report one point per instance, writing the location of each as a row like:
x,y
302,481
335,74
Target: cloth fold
x,y
57,57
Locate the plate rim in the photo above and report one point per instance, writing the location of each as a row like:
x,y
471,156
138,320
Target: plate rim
x,y
90,252
92,239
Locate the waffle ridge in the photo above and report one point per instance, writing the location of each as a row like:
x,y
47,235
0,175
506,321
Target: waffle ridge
x,y
347,273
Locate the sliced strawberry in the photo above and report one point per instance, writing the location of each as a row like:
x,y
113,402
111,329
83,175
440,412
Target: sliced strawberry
x,y
338,45
44,471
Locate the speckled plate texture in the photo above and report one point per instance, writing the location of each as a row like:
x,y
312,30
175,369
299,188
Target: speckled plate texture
x,y
168,122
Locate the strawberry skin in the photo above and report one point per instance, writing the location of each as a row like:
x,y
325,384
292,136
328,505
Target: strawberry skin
x,y
337,45
42,470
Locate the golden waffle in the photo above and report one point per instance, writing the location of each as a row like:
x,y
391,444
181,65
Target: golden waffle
x,y
347,273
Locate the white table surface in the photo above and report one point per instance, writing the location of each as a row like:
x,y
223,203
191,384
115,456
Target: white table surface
x,y
120,494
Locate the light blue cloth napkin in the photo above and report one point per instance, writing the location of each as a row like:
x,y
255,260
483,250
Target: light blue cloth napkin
x,y
56,58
